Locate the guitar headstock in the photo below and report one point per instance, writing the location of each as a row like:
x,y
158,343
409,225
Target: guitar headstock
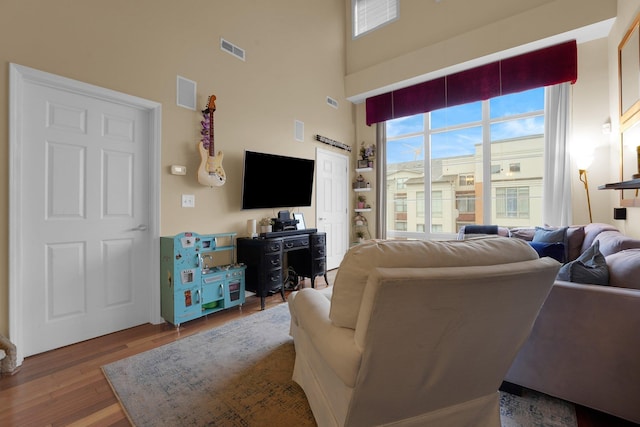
x,y
211,105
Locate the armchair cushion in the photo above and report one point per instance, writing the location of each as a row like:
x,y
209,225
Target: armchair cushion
x,y
360,260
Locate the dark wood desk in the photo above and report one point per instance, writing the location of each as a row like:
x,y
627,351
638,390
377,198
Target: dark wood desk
x,y
306,253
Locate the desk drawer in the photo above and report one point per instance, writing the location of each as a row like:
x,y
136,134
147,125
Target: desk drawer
x,y
273,261
295,243
273,246
318,239
272,280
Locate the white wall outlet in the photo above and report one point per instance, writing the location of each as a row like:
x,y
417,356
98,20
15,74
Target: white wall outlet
x,y
188,201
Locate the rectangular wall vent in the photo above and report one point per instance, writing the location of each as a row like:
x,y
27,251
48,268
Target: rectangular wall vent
x,y
332,102
231,48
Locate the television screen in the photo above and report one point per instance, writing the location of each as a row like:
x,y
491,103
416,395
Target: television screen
x,y
274,181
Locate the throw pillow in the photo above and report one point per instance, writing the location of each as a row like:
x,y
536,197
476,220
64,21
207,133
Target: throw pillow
x,y
552,235
553,250
589,268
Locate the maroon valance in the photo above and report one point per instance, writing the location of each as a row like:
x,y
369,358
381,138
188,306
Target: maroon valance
x,y
543,67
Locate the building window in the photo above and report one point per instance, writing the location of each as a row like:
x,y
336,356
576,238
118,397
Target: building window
x,y
401,202
466,204
495,169
514,167
401,225
512,202
420,205
401,183
466,179
371,14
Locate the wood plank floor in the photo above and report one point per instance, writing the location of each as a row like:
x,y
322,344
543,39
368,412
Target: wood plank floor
x,y
66,387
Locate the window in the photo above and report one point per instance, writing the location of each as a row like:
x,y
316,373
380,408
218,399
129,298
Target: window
x,y
420,204
512,202
401,202
371,14
466,179
466,204
477,163
436,204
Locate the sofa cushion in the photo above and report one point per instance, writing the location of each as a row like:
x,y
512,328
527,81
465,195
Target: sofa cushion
x,y
360,261
575,237
614,241
553,250
624,268
591,231
552,235
589,268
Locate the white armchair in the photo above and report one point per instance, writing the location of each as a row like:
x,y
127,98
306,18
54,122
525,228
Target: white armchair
x,y
417,333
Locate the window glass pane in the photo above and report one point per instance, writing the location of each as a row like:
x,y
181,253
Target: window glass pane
x,y
405,149
517,128
456,158
466,113
370,14
405,125
461,142
518,184
517,103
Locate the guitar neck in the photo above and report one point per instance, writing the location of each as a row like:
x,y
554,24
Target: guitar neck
x,y
212,151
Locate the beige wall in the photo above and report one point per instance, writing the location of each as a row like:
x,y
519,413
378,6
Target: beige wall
x,y
294,60
431,36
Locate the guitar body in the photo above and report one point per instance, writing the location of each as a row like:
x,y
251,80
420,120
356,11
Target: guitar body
x,y
210,172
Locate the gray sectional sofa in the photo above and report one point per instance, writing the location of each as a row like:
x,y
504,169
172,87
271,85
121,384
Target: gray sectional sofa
x,y
585,343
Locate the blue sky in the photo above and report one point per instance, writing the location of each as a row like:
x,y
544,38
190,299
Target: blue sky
x,y
462,141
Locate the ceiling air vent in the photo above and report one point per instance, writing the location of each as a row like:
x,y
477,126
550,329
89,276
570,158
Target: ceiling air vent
x,y
232,49
332,102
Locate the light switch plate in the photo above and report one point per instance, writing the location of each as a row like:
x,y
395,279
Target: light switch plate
x,y
188,201
178,170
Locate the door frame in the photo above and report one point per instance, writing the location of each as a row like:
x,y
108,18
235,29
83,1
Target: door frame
x,y
19,76
345,238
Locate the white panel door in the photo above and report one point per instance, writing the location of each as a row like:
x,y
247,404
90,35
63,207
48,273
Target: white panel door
x,y
85,213
332,211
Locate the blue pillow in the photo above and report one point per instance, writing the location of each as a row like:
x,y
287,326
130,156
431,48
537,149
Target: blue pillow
x,y
553,235
553,250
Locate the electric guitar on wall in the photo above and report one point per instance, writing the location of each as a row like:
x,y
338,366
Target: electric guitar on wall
x,y
210,172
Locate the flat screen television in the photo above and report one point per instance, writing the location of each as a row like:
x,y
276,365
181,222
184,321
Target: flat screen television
x,y
275,181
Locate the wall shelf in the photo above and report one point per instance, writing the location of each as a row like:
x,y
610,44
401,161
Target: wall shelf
x,y
623,185
357,190
359,170
363,210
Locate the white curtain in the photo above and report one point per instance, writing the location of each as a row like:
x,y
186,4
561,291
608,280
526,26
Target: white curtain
x,y
556,195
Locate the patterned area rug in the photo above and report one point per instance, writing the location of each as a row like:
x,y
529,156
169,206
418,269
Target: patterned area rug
x,y
239,374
